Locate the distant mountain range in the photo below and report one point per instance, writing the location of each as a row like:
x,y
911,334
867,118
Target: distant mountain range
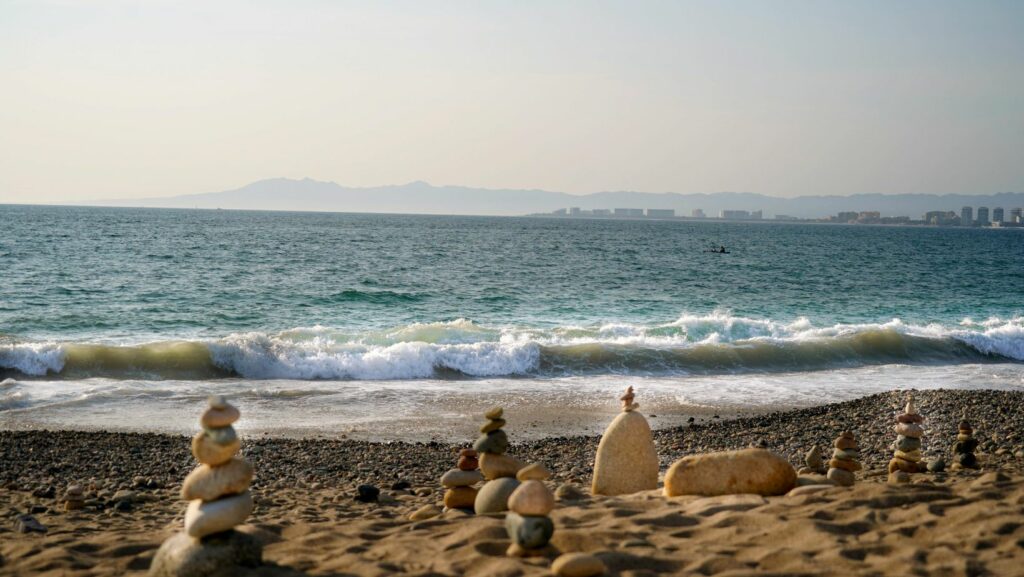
x,y
423,198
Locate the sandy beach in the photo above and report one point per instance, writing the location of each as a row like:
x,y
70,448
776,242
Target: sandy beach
x,y
954,523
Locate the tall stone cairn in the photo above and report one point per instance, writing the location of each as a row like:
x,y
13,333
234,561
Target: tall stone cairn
x,y
527,521
459,482
907,447
845,460
219,500
964,447
498,468
626,460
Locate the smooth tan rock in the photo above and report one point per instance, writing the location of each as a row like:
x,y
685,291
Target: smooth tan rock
x,y
493,425
499,466
231,553
460,498
909,430
842,477
219,418
533,472
845,464
460,478
626,461
577,565
754,471
208,452
493,496
494,413
210,483
207,518
531,499
425,512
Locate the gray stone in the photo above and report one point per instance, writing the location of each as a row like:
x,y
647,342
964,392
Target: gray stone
x,y
28,524
220,555
495,442
529,532
493,496
907,444
937,466
846,454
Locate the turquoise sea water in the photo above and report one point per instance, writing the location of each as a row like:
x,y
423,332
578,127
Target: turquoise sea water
x,y
150,300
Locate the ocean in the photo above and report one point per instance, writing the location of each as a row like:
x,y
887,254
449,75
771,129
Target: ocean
x,y
408,327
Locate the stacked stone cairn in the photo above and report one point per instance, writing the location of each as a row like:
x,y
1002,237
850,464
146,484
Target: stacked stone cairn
x,y
527,523
458,482
219,500
907,457
845,460
964,447
74,498
498,468
626,460
813,463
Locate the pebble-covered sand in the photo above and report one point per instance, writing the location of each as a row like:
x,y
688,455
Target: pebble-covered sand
x,y
967,523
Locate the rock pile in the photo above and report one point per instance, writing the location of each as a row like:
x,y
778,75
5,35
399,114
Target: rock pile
x,y
907,457
219,500
813,464
964,447
845,460
498,468
527,523
74,498
626,461
458,482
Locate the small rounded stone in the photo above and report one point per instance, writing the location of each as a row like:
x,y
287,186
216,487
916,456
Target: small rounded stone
x,y
497,466
494,413
468,463
532,498
425,512
460,498
215,418
529,532
495,442
577,565
533,472
460,478
493,425
208,452
493,496
209,517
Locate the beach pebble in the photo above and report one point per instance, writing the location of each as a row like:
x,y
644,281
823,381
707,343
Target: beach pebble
x,y
532,498
205,518
460,478
492,425
208,452
909,430
533,472
401,485
841,477
577,565
626,460
494,413
223,435
756,471
425,512
570,492
497,466
229,553
493,496
209,483
367,494
937,466
28,524
529,532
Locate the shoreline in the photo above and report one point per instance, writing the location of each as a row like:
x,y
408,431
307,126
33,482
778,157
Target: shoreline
x,y
307,517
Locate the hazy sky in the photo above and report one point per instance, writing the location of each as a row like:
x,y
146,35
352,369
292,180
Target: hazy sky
x,y
111,98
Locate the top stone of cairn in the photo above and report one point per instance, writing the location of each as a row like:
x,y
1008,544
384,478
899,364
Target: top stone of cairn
x,y
627,400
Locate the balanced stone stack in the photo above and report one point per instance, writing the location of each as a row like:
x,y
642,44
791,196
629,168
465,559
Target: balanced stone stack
x,y
527,523
907,457
219,500
964,447
460,493
627,461
74,498
813,463
845,460
498,468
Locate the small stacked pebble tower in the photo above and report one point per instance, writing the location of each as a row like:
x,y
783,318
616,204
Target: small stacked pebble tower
x,y
219,500
813,463
907,457
964,447
527,522
458,482
498,468
74,498
845,460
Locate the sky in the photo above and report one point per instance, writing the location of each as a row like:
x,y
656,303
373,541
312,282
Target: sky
x,y
111,99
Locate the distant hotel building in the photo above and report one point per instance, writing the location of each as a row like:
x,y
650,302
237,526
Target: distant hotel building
x,y
628,212
698,213
1017,215
740,215
983,216
997,214
661,212
966,216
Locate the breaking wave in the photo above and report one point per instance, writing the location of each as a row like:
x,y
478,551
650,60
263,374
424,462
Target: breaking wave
x,y
718,343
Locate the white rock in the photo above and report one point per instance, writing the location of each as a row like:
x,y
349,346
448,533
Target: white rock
x,y
207,518
627,461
